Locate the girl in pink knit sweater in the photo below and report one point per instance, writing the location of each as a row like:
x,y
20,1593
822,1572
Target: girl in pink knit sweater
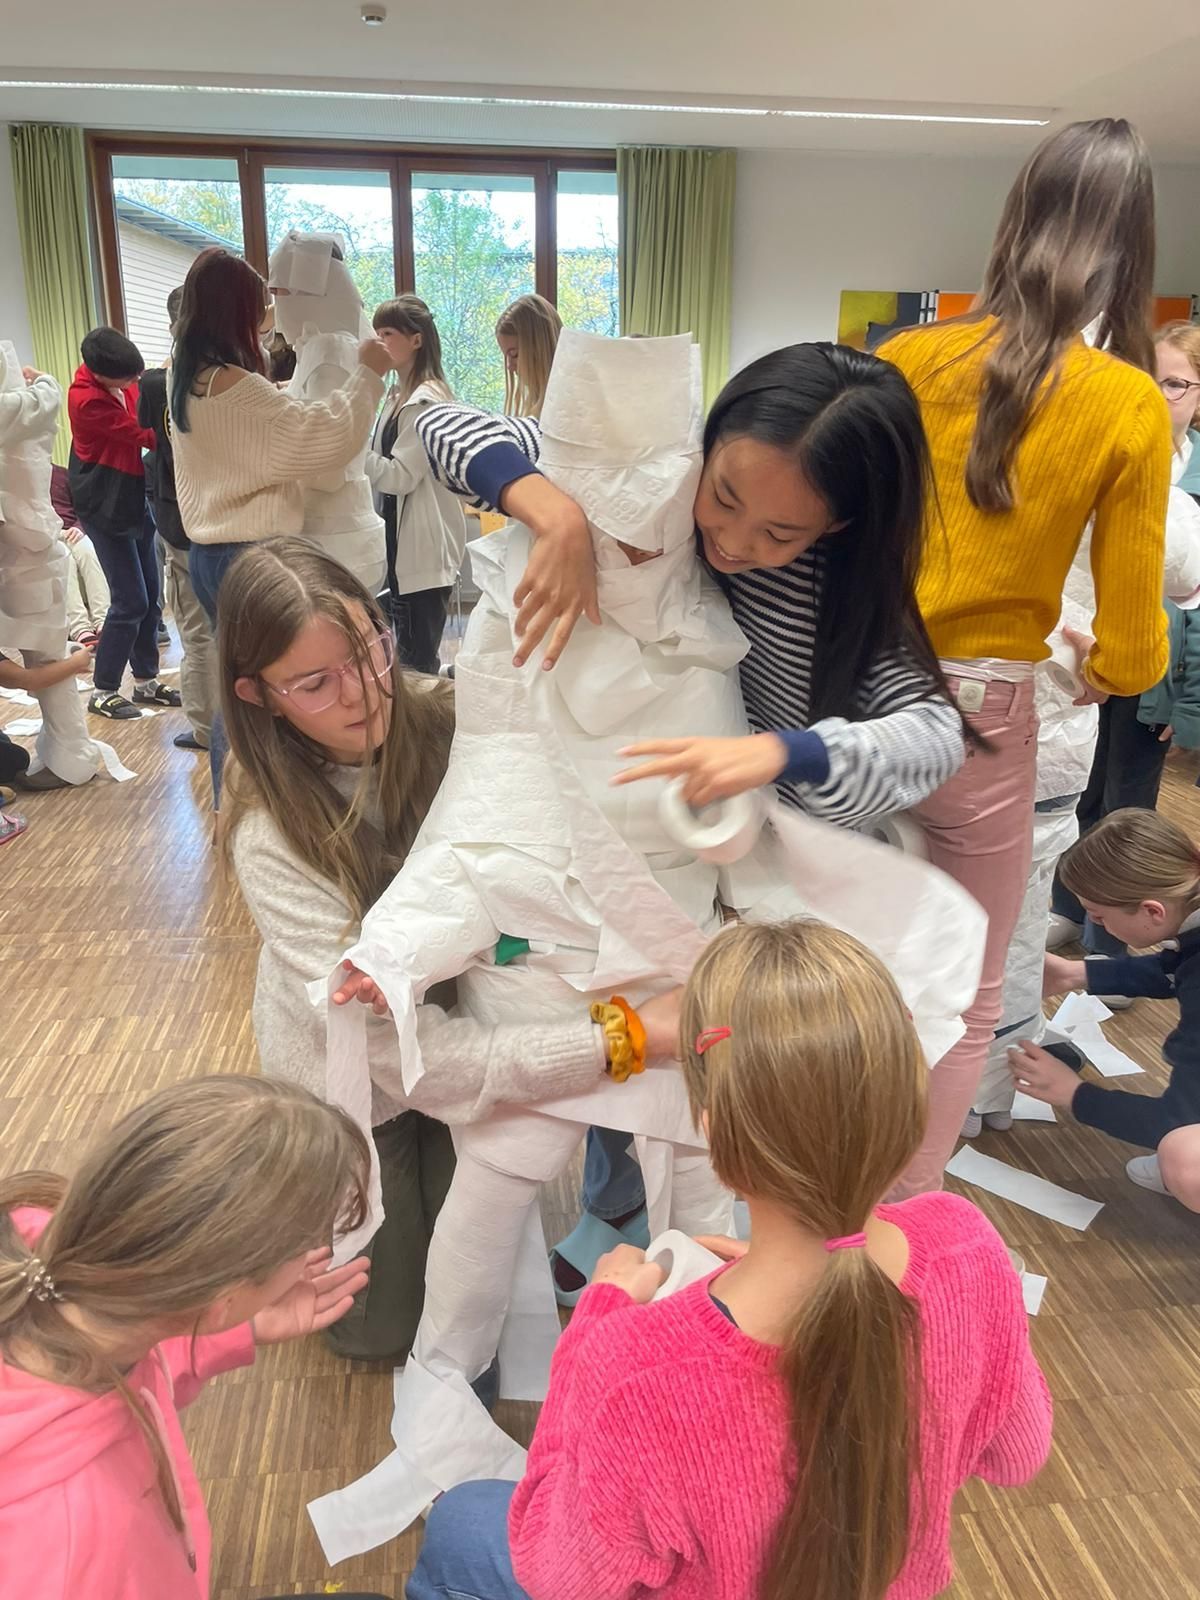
x,y
192,1232
798,1423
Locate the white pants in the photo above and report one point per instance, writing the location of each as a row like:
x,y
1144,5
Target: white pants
x,y
473,1253
87,588
1055,829
63,745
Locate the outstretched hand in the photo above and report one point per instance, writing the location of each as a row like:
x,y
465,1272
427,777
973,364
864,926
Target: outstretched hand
x,y
711,769
357,986
314,1301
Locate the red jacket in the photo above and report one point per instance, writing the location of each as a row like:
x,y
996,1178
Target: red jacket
x,y
108,482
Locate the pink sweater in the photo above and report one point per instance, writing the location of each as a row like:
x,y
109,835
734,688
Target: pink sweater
x,y
80,1511
660,1462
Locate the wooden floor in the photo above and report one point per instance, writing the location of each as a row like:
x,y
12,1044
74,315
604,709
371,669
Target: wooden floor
x,y
128,964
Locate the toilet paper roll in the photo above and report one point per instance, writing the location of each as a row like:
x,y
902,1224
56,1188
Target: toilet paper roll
x,y
682,1259
719,834
1063,667
902,832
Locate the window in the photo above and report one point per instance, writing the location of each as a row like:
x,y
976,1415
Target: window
x,y
168,209
588,295
474,252
467,231
357,205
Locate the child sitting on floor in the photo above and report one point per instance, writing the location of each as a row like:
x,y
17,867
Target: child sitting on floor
x,y
1138,875
798,1422
124,1289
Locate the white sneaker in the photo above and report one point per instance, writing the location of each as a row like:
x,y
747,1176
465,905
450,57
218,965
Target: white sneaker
x,y
1145,1172
972,1125
1061,930
998,1121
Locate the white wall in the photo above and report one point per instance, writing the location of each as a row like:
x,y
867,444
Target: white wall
x,y
14,317
808,226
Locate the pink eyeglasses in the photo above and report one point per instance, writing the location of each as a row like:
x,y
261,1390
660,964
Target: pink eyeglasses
x,y
317,691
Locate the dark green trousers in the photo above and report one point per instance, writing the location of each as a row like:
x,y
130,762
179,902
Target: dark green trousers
x,y
416,1163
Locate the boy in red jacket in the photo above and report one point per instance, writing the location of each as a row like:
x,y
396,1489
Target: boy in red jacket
x,y
108,486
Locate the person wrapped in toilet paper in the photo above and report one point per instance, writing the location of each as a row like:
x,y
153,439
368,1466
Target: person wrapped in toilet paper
x,y
319,311
528,838
34,564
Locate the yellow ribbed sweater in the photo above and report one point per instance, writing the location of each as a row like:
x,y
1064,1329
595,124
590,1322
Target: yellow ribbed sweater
x,y
241,467
1098,445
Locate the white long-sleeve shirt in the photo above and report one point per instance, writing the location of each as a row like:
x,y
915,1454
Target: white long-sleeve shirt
x,y
431,526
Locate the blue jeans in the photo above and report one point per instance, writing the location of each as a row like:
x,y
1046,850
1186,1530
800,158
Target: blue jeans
x,y
612,1178
129,636
207,565
465,1555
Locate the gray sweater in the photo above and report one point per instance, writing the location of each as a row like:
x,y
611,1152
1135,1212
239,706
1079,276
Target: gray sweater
x,y
306,927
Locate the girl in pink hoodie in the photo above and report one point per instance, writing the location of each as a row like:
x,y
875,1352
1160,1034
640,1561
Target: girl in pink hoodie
x,y
193,1231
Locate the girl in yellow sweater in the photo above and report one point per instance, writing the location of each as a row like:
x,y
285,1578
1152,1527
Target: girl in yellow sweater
x,y
1033,430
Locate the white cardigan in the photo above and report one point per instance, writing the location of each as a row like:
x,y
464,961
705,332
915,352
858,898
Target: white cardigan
x,y
431,527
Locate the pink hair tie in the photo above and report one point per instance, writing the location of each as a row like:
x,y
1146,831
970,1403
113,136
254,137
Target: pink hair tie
x,y
710,1037
852,1241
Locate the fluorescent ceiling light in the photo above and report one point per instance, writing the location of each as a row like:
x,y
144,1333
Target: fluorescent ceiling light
x,y
525,101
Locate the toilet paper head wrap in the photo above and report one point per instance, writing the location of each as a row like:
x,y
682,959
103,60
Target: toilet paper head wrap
x,y
321,295
11,376
622,427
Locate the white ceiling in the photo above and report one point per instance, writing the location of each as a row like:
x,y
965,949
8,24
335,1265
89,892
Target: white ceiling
x,y
1058,58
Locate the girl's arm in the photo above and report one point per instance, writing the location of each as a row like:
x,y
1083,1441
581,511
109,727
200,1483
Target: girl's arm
x,y
1130,654
401,471
470,1067
492,461
909,745
192,1362
577,1529
30,412
307,438
31,679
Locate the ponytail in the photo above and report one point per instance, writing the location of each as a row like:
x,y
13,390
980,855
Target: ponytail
x,y
815,1093
31,1301
849,1366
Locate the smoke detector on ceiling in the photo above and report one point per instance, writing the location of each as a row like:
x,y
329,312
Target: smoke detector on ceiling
x,y
374,15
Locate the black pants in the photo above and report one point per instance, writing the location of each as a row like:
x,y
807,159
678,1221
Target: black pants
x,y
1126,771
416,1163
14,759
419,620
129,636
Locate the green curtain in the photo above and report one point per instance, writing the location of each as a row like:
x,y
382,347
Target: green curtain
x,y
676,248
52,218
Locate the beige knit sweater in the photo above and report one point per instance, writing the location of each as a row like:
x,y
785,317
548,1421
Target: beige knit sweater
x,y
241,465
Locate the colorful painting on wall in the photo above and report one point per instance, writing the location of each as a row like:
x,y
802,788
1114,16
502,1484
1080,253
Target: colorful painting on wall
x,y
867,317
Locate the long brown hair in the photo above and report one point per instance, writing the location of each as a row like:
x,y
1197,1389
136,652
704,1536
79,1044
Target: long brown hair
x,y
816,1102
535,325
409,314
1075,245
269,593
1130,856
224,302
211,1183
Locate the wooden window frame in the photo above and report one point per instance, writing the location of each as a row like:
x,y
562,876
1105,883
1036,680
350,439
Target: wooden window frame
x,y
398,161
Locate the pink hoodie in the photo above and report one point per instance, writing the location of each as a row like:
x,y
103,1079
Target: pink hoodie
x,y
80,1509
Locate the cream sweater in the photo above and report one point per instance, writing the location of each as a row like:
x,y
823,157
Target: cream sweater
x,y
471,1066
241,467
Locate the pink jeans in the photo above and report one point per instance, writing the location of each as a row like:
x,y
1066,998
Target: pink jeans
x,y
979,828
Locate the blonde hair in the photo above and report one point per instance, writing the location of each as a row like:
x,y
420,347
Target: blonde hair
x,y
409,314
210,1183
535,325
268,595
1075,244
1131,856
1184,337
816,1102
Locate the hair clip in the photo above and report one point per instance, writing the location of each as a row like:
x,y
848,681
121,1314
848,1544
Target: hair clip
x,y
39,1285
710,1037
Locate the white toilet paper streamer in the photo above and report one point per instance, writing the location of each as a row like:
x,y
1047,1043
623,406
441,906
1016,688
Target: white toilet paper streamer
x,y
682,1259
719,834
